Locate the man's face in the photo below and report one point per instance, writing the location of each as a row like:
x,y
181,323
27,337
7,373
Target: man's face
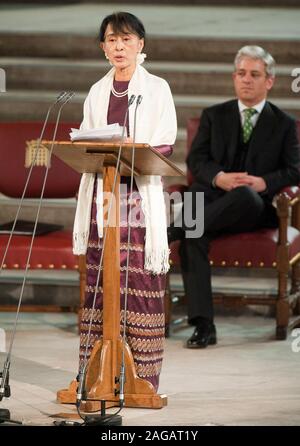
x,y
251,82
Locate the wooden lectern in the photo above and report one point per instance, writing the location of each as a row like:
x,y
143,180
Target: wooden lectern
x,y
105,361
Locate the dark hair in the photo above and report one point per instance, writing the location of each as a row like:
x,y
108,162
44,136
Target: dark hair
x,y
122,22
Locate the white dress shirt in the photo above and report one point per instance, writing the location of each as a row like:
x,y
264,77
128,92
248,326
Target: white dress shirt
x,y
258,107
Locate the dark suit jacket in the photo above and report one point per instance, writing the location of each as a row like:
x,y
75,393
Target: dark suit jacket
x,y
273,149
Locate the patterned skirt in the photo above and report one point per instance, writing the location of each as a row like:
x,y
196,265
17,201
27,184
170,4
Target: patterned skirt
x,y
145,295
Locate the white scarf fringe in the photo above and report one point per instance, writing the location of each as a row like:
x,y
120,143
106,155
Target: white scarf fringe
x,y
154,209
83,214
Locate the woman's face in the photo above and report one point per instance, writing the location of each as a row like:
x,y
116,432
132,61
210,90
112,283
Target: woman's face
x,y
121,49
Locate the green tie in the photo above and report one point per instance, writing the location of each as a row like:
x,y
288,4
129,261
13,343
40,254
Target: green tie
x,y
248,127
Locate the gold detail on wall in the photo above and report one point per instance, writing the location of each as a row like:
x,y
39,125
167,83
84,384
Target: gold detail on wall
x,y
42,158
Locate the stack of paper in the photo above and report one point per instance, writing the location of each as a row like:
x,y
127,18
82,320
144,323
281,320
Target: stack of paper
x,y
112,131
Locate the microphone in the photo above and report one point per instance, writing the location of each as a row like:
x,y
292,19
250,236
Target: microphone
x,y
60,96
138,101
122,368
130,102
66,98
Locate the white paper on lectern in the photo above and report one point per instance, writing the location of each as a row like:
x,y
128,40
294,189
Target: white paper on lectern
x,y
111,131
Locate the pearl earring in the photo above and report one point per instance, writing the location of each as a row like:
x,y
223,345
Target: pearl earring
x,y
107,58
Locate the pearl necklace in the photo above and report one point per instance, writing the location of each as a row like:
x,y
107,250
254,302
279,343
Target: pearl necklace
x,y
119,94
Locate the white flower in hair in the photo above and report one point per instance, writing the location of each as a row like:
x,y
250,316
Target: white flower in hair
x,y
140,57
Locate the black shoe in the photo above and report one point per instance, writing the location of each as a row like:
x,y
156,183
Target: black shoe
x,y
204,334
175,233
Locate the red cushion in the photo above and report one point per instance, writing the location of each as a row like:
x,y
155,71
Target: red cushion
x,y
52,251
256,249
62,181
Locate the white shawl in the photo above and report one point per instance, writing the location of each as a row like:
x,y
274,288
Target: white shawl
x,y
156,125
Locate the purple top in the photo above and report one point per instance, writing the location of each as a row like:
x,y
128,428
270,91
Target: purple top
x,y
117,109
117,106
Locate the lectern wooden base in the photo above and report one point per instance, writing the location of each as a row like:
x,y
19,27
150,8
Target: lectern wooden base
x,y
101,385
67,396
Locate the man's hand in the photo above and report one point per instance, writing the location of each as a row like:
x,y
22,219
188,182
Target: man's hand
x,y
229,181
257,183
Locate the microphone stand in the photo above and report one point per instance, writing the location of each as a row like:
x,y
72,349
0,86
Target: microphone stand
x,y
102,419
63,98
122,368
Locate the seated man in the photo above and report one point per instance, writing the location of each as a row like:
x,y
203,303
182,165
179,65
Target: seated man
x,y
245,151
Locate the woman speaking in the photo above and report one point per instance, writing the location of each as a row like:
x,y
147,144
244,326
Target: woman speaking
x,y
122,38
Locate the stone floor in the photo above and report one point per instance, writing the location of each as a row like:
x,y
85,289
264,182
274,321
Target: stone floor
x,y
248,378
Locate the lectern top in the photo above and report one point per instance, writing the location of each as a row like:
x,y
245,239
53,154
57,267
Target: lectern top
x,y
92,156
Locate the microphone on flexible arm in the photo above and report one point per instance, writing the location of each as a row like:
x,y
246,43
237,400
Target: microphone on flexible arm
x,y
122,368
130,102
62,99
102,419
4,387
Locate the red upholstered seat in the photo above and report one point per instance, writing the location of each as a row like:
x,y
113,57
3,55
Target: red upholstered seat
x,y
265,248
50,251
257,249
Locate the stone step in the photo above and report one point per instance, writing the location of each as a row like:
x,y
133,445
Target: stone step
x,y
182,32
184,78
32,105
277,3
163,48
